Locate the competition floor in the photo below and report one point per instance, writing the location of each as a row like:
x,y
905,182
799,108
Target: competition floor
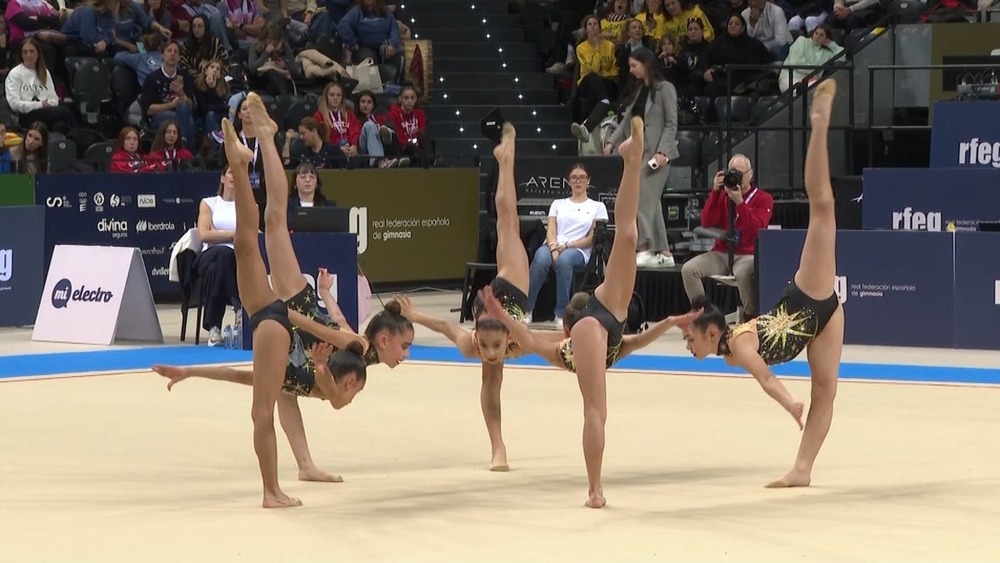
x,y
113,468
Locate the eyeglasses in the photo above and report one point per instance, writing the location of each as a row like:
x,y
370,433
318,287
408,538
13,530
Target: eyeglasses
x,y
578,178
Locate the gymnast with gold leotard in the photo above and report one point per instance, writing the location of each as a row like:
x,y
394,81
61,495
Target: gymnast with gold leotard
x,y
808,317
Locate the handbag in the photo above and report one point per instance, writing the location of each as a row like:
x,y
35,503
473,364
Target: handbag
x,y
367,75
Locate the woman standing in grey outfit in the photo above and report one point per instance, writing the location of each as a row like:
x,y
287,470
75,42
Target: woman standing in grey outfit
x,y
654,99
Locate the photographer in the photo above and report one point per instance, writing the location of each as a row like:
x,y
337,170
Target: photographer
x,y
753,213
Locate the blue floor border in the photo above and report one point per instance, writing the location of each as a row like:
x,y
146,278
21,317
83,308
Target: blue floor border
x,y
138,359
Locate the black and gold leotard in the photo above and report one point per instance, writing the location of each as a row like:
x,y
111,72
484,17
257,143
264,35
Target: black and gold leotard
x,y
300,373
513,300
616,333
787,329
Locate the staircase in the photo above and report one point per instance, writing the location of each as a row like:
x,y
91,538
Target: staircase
x,y
482,61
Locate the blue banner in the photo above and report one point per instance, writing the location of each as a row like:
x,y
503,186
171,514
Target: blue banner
x,y
897,288
965,134
977,290
338,253
147,211
22,264
935,199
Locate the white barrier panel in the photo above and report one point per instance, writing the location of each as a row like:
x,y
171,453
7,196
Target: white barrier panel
x,y
97,295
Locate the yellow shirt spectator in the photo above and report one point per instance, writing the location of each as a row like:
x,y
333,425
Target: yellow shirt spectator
x,y
597,58
657,28
678,26
611,27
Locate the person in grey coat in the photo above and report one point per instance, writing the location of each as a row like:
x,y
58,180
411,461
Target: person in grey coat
x,y
654,99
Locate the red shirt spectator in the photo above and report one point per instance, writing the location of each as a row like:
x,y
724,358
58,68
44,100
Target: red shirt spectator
x,y
407,123
753,213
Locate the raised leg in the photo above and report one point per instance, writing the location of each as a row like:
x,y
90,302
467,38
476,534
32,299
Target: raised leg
x,y
824,363
286,275
615,292
512,258
489,398
818,264
251,277
270,355
590,345
291,422
178,374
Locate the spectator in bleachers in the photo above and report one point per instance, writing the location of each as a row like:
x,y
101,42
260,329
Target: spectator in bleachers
x,y
653,18
563,55
328,16
211,95
633,37
614,19
309,145
597,86
167,153
753,213
201,47
130,23
808,14
38,19
655,100
720,10
690,71
766,22
369,30
569,241
31,92
145,62
677,16
815,50
6,159
127,158
216,263
408,124
159,13
169,94
854,14
271,62
244,19
370,141
343,128
183,11
89,30
307,189
667,54
733,47
32,155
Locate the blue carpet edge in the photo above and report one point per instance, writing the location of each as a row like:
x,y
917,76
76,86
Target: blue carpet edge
x,y
138,359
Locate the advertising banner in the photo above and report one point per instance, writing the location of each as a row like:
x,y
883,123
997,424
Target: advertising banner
x,y
930,199
146,211
966,135
412,225
977,290
22,263
897,289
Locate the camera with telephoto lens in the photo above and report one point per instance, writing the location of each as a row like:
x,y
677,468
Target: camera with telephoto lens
x,y
733,179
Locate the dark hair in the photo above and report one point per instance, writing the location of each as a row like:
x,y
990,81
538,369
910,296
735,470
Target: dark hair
x,y
389,319
490,324
575,309
711,315
348,361
578,166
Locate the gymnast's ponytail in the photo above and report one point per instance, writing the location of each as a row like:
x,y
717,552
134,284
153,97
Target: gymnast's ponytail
x,y
348,361
710,316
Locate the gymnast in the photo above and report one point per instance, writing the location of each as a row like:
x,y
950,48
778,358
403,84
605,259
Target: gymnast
x,y
387,339
489,340
808,316
593,338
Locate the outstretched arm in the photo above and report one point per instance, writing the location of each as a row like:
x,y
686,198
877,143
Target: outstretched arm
x,y
461,337
750,360
529,341
634,342
324,283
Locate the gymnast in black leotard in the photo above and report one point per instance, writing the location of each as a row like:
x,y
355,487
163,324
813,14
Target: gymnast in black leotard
x,y
593,325
808,316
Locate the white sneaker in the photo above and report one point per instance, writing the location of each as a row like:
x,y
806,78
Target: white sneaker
x,y
666,261
214,336
580,132
557,68
646,259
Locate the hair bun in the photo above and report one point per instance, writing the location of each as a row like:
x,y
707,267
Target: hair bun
x,y
580,300
700,302
356,347
393,307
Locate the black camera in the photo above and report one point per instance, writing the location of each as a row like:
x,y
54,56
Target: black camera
x,y
733,179
492,126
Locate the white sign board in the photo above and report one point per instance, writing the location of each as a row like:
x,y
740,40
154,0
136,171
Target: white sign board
x,y
97,295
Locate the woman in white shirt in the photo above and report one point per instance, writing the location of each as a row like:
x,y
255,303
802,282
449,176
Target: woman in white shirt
x,y
31,92
216,265
569,241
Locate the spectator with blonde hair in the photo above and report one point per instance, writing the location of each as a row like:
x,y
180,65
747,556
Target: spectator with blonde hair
x,y
31,91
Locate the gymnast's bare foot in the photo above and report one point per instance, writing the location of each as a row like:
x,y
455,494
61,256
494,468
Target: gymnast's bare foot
x,y
263,125
504,152
499,461
317,475
596,499
280,500
174,374
822,103
238,154
631,149
793,478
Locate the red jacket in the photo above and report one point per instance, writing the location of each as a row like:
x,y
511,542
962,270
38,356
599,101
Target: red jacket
x,y
752,215
407,125
122,161
343,124
161,161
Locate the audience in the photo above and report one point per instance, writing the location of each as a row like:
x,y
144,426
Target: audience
x,y
31,92
216,263
168,94
766,23
815,50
